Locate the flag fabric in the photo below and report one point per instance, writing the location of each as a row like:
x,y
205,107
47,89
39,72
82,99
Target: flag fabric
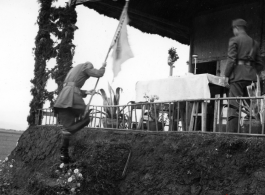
x,y
121,49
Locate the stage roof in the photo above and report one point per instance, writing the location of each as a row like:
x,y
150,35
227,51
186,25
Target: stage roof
x,y
169,18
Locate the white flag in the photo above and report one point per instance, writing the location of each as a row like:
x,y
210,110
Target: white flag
x,y
122,50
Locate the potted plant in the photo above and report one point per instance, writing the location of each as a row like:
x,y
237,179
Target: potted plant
x,y
155,119
172,58
113,116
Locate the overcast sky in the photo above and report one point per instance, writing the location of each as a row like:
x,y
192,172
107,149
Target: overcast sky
x,y
93,38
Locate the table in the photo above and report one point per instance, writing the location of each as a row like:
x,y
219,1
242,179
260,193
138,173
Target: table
x,y
179,88
188,87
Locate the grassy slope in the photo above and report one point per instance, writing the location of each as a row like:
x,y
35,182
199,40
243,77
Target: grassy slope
x,y
161,163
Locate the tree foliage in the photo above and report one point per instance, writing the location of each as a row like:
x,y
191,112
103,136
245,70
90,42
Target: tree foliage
x,y
61,23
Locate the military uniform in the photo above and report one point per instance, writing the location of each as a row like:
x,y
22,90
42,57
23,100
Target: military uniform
x,y
243,63
70,104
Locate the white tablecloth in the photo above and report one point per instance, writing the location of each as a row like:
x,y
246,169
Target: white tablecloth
x,y
178,88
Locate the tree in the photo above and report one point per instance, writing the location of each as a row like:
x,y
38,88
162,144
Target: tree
x,y
61,23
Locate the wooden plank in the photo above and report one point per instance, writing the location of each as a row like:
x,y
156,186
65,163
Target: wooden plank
x,y
220,111
196,115
216,105
192,118
204,116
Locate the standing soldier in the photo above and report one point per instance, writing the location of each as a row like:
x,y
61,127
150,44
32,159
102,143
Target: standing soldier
x,y
70,104
243,64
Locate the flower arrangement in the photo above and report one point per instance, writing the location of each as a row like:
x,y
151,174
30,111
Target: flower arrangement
x,y
152,98
154,108
173,56
6,178
69,179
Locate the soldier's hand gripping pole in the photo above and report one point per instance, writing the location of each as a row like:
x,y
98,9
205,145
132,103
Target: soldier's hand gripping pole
x,y
88,105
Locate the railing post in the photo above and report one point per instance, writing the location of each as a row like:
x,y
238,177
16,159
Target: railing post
x,y
49,111
169,116
204,116
155,117
138,126
95,122
100,119
57,119
196,117
228,107
239,116
186,122
216,103
45,110
220,112
135,108
162,119
117,121
263,116
123,123
172,116
178,110
130,116
142,117
112,113
52,117
250,117
148,116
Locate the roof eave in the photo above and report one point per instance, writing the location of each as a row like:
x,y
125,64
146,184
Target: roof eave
x,y
144,22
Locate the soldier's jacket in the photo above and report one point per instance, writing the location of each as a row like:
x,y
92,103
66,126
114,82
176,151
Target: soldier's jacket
x,y
71,94
239,49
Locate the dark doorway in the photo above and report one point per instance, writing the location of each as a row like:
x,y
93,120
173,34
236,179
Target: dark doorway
x,y
206,67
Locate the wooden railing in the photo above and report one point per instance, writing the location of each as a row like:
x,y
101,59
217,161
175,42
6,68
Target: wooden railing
x,y
192,115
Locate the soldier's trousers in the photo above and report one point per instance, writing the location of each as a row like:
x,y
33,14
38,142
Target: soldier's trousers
x,y
67,117
237,89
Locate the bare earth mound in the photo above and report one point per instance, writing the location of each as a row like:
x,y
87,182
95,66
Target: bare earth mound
x,y
161,163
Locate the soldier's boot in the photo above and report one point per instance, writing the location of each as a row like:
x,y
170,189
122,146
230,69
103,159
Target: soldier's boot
x,y
65,158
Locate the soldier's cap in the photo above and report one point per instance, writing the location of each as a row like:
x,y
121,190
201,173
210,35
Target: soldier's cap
x,y
239,22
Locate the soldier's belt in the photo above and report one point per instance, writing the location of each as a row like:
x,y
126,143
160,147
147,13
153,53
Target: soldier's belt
x,y
246,63
76,89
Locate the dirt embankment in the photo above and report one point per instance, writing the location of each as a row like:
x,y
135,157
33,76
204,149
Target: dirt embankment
x,y
161,164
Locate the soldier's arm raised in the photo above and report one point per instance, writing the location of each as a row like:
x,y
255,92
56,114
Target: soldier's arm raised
x,y
91,71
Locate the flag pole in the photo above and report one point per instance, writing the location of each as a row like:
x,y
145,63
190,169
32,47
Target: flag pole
x,y
116,35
